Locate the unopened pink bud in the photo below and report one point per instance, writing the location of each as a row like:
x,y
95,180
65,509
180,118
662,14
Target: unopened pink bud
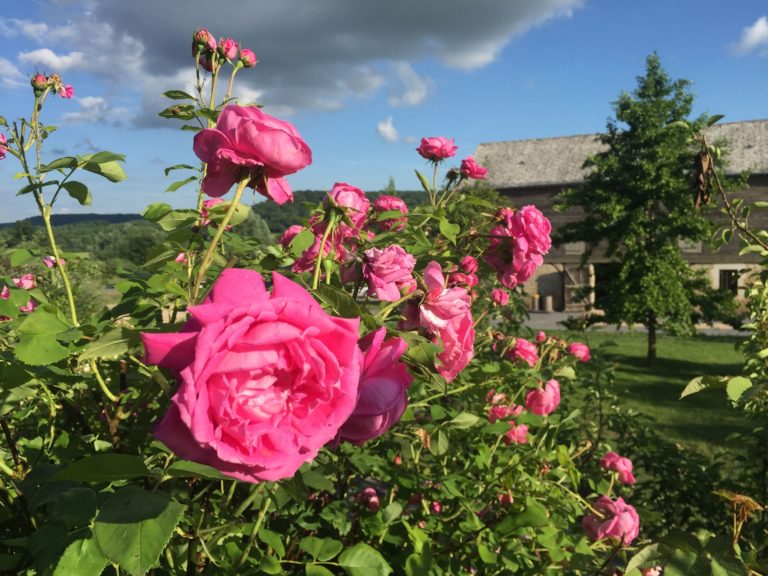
x,y
39,83
181,258
248,58
228,48
541,336
203,40
436,507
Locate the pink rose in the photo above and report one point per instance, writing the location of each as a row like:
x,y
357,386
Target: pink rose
x,y
3,146
436,148
248,58
447,314
517,434
387,271
266,379
541,336
468,264
617,521
245,138
436,507
580,351
471,169
227,48
370,498
290,234
66,91
544,401
39,83
181,258
525,351
382,396
353,199
500,297
50,261
386,203
25,281
500,412
203,40
619,464
517,244
654,571
207,206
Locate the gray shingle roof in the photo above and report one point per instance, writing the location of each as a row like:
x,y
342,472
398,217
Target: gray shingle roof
x,y
558,161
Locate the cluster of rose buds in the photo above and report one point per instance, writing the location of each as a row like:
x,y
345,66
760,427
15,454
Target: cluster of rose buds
x,y
41,83
211,54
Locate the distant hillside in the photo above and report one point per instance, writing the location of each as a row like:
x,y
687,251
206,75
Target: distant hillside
x,y
61,219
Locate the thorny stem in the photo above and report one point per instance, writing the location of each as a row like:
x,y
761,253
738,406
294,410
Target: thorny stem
x,y
433,194
208,257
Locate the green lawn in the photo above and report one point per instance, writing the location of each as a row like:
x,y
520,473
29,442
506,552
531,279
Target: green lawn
x,y
704,419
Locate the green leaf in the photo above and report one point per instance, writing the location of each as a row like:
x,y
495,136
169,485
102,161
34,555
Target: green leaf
x,y
714,119
322,549
178,184
702,383
20,256
10,397
36,186
104,164
178,167
317,481
439,444
180,111
736,387
272,539
533,515
178,218
111,344
187,469
178,95
78,191
69,162
133,526
760,204
240,215
40,350
464,420
104,468
82,557
301,242
42,322
362,560
645,558
566,372
449,230
155,211
424,182
339,301
315,570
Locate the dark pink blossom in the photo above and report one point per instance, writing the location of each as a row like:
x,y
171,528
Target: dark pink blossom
x,y
613,520
436,148
579,351
471,169
388,271
525,351
386,203
543,401
619,464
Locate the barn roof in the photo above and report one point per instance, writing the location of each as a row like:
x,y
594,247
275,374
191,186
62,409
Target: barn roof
x,y
558,161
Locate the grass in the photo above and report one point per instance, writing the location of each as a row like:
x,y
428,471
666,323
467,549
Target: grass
x,y
703,420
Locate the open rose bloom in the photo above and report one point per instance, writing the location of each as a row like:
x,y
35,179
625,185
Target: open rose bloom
x,y
616,520
265,380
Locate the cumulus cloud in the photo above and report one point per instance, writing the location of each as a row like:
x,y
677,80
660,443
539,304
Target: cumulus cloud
x,y
754,37
386,129
322,56
414,87
11,75
94,109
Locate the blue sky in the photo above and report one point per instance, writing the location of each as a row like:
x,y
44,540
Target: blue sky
x,y
363,81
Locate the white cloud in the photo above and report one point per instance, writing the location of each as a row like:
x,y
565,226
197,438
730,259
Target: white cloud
x,y
11,75
94,109
52,62
386,129
415,88
754,37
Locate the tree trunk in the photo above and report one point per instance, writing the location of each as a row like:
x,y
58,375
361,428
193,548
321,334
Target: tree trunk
x,y
651,356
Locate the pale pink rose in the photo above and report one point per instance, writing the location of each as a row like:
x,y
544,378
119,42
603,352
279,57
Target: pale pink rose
x,y
248,58
468,264
541,336
544,401
266,380
436,148
181,258
25,281
461,279
580,351
382,392
386,203
654,571
387,270
3,146
203,40
50,261
245,138
471,169
290,234
30,306
517,434
353,199
447,314
66,91
616,521
620,465
5,294
227,48
525,351
500,297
